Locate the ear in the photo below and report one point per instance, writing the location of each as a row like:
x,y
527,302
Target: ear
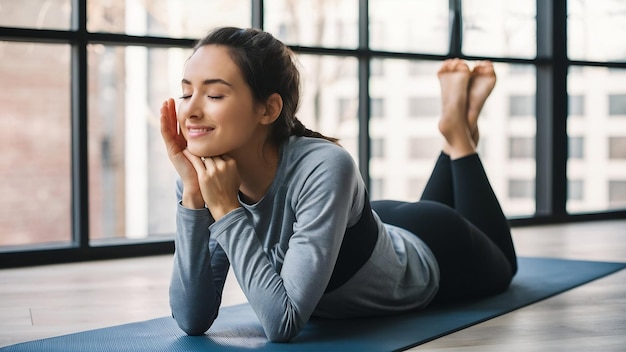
x,y
273,107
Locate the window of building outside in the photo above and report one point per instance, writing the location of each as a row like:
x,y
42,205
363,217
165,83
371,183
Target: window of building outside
x,y
377,107
576,105
522,105
377,147
617,148
575,190
521,147
617,193
617,104
377,67
576,147
521,189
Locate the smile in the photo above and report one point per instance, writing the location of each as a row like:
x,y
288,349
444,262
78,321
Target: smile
x,y
197,131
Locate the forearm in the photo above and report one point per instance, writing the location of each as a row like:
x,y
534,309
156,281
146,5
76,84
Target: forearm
x,y
264,288
196,283
192,200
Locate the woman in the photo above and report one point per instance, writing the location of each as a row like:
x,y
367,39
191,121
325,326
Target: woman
x,y
287,208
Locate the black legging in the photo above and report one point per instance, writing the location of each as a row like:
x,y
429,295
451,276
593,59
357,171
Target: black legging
x,y
460,219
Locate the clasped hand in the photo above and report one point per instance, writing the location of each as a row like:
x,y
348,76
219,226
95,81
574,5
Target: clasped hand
x,y
213,181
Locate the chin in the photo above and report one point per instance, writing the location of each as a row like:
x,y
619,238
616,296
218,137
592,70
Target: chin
x,y
203,151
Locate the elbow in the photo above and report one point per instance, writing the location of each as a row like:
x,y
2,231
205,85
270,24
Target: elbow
x,y
281,334
192,329
280,338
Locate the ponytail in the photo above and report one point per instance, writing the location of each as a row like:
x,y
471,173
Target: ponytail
x,y
299,130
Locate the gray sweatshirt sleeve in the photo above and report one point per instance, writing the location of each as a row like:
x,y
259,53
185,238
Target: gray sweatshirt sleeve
x,y
199,271
284,301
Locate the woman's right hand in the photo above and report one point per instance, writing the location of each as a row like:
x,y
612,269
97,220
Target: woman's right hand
x,y
175,143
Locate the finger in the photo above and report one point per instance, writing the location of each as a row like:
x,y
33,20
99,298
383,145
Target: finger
x,y
226,158
227,162
171,105
166,119
172,122
165,123
195,161
212,164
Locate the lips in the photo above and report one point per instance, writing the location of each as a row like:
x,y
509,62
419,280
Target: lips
x,y
196,131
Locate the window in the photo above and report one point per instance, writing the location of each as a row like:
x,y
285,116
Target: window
x,y
575,190
576,147
596,143
377,107
39,14
100,87
377,188
377,67
508,27
521,189
588,20
617,104
347,108
576,105
617,148
378,148
521,147
521,105
617,193
418,26
35,142
334,25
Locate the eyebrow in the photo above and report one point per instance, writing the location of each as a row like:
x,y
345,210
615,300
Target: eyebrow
x,y
209,81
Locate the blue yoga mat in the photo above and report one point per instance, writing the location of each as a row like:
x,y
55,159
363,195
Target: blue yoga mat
x,y
237,328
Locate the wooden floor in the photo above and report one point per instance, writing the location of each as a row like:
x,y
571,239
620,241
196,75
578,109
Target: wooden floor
x,y
52,300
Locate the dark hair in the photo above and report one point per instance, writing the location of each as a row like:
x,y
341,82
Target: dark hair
x,y
267,65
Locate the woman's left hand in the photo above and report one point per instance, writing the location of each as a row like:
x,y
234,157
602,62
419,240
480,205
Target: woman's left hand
x,y
219,182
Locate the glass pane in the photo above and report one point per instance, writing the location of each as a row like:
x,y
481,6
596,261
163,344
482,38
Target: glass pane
x,y
40,14
329,101
167,18
589,20
598,161
327,23
409,25
412,140
500,28
132,183
35,136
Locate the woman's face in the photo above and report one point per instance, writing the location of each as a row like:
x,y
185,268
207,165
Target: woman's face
x,y
217,113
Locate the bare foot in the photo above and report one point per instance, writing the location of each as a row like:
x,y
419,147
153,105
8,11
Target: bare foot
x,y
481,83
454,77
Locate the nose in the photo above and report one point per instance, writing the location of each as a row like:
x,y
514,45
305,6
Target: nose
x,y
191,108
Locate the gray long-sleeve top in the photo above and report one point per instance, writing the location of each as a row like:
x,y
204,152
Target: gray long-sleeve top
x,y
283,250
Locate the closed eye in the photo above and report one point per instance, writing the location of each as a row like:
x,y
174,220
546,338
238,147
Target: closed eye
x,y
215,97
183,97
